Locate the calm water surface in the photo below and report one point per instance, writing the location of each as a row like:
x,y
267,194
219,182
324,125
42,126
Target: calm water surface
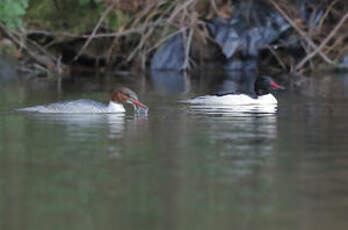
x,y
179,167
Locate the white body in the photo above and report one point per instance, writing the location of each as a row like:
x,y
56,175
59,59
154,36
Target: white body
x,y
234,105
77,106
234,99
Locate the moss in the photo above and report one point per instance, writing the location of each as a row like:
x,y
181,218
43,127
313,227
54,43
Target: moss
x,y
63,15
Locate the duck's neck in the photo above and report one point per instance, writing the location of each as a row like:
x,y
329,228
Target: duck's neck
x,y
115,107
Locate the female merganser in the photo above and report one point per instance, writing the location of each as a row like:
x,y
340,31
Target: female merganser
x,y
118,97
262,95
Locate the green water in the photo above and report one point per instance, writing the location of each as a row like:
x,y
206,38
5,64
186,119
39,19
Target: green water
x,y
177,168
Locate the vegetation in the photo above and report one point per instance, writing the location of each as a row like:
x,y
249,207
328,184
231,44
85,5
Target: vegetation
x,y
57,35
11,12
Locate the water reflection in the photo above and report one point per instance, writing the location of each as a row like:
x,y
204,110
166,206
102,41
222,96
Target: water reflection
x,y
170,83
83,124
180,166
242,144
231,82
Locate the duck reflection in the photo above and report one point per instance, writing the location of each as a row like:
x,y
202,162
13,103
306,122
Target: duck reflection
x,y
84,125
113,134
232,82
238,110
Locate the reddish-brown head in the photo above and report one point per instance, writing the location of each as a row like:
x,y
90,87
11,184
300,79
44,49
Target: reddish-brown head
x,y
124,95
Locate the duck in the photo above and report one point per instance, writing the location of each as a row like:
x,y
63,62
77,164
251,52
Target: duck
x,y
261,96
118,97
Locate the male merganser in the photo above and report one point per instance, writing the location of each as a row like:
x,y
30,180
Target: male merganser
x,y
118,97
261,96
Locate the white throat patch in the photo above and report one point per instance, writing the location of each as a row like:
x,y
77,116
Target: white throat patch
x,y
115,107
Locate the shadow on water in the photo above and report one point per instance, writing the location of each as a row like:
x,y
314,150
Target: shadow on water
x,y
179,167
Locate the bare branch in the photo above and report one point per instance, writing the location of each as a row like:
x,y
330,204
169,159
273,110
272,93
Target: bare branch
x,y
327,39
279,60
165,39
101,20
302,33
19,43
187,46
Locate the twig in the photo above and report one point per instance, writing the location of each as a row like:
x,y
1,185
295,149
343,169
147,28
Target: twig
x,y
40,48
186,64
213,4
48,33
326,14
342,52
24,69
102,18
59,66
307,51
327,39
165,39
101,35
20,44
165,12
141,44
145,12
143,40
179,8
109,55
339,41
117,34
302,33
279,60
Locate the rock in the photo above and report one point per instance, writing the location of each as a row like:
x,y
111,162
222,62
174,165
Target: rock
x,y
248,34
344,60
7,71
171,55
249,30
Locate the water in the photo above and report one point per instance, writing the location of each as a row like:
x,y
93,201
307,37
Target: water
x,y
178,167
